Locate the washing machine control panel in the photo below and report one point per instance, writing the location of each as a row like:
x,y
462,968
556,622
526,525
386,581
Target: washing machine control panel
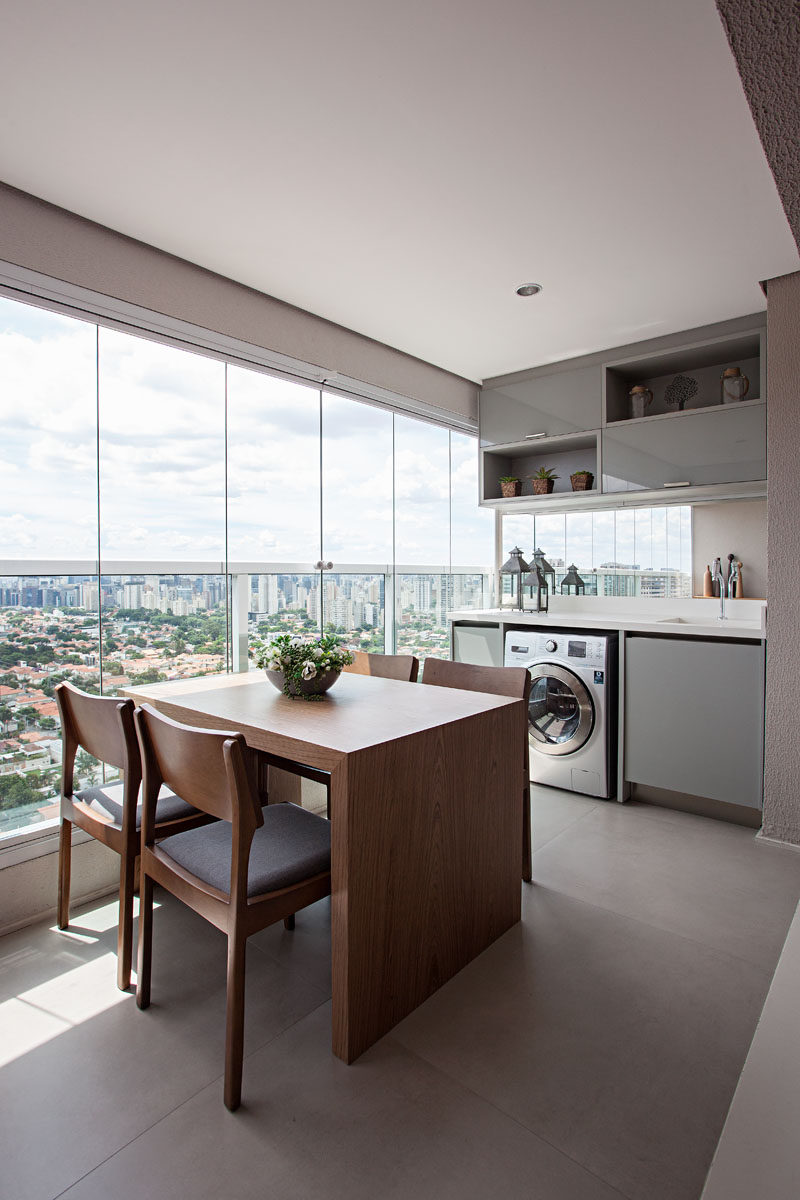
x,y
576,649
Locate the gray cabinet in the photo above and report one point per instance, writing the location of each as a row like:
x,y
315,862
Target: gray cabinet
x,y
480,645
694,717
541,402
726,444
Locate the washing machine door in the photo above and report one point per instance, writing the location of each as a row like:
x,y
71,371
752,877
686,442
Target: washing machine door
x,y
560,711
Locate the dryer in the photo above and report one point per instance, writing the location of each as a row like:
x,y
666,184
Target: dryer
x,y
572,715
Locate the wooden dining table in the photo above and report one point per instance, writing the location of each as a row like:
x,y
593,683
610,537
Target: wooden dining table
x,y
425,810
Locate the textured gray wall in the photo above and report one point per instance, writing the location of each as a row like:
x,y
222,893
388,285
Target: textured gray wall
x,y
782,735
60,244
764,36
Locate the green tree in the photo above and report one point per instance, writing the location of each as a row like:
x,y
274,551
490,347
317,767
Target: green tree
x,y
87,768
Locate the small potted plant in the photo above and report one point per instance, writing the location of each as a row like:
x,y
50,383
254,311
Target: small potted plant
x,y
582,481
510,485
543,481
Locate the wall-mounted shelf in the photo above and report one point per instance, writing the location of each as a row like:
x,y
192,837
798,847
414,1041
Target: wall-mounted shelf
x,y
700,365
705,451
565,455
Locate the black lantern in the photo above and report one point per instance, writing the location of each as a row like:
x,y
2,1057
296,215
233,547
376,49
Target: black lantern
x,y
572,580
537,588
548,571
515,568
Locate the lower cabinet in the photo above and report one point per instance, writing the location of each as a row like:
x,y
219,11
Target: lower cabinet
x,y
694,717
480,645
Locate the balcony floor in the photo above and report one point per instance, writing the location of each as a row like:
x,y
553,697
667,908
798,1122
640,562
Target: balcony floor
x,y
590,1054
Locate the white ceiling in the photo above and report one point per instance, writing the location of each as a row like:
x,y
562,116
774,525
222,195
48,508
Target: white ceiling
x,y
400,168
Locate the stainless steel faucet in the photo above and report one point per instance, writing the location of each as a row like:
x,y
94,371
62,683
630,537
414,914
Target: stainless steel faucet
x,y
718,577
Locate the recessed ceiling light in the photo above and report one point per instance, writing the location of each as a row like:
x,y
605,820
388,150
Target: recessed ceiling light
x,y
529,289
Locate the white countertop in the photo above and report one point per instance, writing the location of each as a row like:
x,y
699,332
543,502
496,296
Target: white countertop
x,y
679,618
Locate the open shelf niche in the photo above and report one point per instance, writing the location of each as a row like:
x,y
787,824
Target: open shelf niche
x,y
702,365
565,454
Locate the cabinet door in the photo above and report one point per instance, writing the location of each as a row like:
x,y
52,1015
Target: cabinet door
x,y
562,402
718,445
694,717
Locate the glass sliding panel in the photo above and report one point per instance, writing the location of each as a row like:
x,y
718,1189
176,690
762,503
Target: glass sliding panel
x,y
423,601
49,631
273,469
48,452
579,544
354,607
162,451
422,493
158,627
550,536
284,603
357,482
643,533
471,527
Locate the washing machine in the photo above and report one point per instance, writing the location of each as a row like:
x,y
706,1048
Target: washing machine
x,y
572,715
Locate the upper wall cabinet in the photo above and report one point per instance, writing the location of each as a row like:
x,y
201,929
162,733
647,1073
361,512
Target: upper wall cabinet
x,y
684,412
540,403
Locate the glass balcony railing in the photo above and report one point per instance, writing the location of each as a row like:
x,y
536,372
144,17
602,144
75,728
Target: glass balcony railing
x,y
104,633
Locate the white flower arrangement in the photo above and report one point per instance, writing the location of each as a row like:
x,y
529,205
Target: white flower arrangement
x,y
300,659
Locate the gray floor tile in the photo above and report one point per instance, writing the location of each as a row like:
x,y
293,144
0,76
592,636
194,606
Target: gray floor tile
x,y
389,1126
616,1042
554,811
86,1071
708,880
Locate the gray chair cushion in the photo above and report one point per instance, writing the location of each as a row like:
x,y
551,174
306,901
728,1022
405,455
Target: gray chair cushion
x,y
108,799
292,844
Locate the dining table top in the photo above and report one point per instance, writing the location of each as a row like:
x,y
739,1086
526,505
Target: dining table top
x,y
358,712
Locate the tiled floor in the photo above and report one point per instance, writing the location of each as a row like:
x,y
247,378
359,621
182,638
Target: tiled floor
x,y
590,1054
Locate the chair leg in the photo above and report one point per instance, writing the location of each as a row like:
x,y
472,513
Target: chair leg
x,y
145,941
64,869
234,1022
127,880
288,922
527,850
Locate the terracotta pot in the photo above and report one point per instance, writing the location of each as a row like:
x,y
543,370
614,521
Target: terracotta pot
x,y
582,482
511,487
543,487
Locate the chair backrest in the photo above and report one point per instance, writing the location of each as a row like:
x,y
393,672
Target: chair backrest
x,y
208,768
499,681
385,666
103,725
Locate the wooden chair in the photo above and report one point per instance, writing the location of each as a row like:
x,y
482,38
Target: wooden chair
x,y
104,726
499,681
385,666
251,868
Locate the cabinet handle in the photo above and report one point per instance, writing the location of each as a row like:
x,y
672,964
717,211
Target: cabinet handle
x,y
684,483
528,436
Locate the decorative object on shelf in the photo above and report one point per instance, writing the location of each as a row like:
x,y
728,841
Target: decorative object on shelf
x,y
682,388
510,485
582,481
708,583
543,481
733,386
737,587
572,584
544,566
537,589
515,568
301,667
641,398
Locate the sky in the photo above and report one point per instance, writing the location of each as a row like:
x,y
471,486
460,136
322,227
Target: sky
x,y
308,475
